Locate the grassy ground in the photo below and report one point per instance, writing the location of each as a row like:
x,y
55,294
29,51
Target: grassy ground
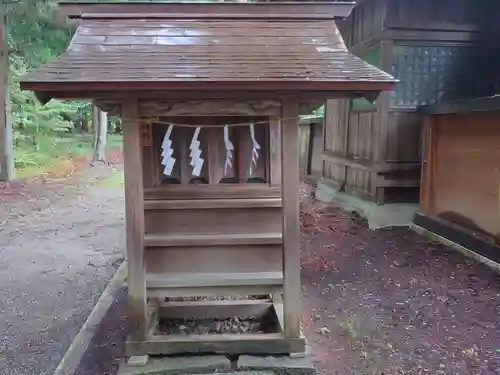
x,y
50,150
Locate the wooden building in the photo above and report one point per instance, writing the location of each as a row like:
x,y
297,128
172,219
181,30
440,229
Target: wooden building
x,y
374,150
460,193
210,96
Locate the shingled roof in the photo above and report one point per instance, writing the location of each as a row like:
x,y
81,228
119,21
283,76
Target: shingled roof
x,y
165,46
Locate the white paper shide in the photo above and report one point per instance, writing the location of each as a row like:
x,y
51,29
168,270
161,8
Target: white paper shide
x,y
255,149
229,150
195,153
167,151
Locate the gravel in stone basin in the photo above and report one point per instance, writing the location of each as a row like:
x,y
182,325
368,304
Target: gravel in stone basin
x,y
211,326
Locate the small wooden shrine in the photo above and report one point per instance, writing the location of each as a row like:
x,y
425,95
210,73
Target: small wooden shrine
x,y
210,96
373,150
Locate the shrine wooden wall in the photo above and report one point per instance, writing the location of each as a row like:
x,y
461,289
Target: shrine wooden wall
x,y
231,218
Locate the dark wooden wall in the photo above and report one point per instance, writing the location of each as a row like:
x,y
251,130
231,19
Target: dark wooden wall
x,y
375,151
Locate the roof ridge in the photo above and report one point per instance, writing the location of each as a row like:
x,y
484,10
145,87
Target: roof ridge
x,y
205,16
331,9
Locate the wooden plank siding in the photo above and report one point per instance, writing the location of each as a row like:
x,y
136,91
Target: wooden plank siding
x,y
375,152
462,174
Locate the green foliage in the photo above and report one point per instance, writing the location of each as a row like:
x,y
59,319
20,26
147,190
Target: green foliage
x,y
36,34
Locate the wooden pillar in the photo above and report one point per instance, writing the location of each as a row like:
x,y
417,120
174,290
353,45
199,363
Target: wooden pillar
x,y
6,160
134,221
291,225
275,151
428,163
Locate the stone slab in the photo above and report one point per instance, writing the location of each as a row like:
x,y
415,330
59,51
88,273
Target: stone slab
x,y
281,365
383,216
178,366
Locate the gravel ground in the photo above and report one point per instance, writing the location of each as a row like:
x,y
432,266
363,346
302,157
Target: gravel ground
x,y
385,302
60,243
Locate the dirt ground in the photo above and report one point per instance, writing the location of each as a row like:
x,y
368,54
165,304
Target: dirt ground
x,y
61,240
390,302
384,302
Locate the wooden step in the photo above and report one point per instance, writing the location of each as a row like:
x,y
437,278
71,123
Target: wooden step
x,y
194,280
164,240
201,204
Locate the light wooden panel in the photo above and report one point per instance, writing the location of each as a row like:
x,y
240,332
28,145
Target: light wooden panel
x,y
467,170
218,259
214,221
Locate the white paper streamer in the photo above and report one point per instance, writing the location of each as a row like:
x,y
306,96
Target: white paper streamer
x,y
255,149
166,154
229,150
195,154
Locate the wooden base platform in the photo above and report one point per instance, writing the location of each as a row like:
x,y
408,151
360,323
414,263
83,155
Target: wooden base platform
x,y
271,342
473,241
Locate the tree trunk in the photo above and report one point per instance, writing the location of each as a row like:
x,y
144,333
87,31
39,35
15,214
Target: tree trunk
x,y
85,125
6,155
100,129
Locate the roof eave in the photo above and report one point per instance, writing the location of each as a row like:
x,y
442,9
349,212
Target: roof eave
x,y
45,91
364,86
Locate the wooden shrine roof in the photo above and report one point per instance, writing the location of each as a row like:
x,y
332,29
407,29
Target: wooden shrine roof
x,y
213,46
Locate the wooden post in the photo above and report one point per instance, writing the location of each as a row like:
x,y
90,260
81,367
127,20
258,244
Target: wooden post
x,y
275,152
134,223
291,225
6,160
427,169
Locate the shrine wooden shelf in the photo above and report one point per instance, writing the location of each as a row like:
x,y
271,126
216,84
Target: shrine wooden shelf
x,y
212,203
193,280
166,240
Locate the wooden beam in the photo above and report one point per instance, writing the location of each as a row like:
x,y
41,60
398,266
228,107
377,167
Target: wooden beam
x,y
221,191
438,36
134,219
215,309
195,280
428,162
345,161
224,344
275,151
207,204
291,226
214,291
6,160
164,240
